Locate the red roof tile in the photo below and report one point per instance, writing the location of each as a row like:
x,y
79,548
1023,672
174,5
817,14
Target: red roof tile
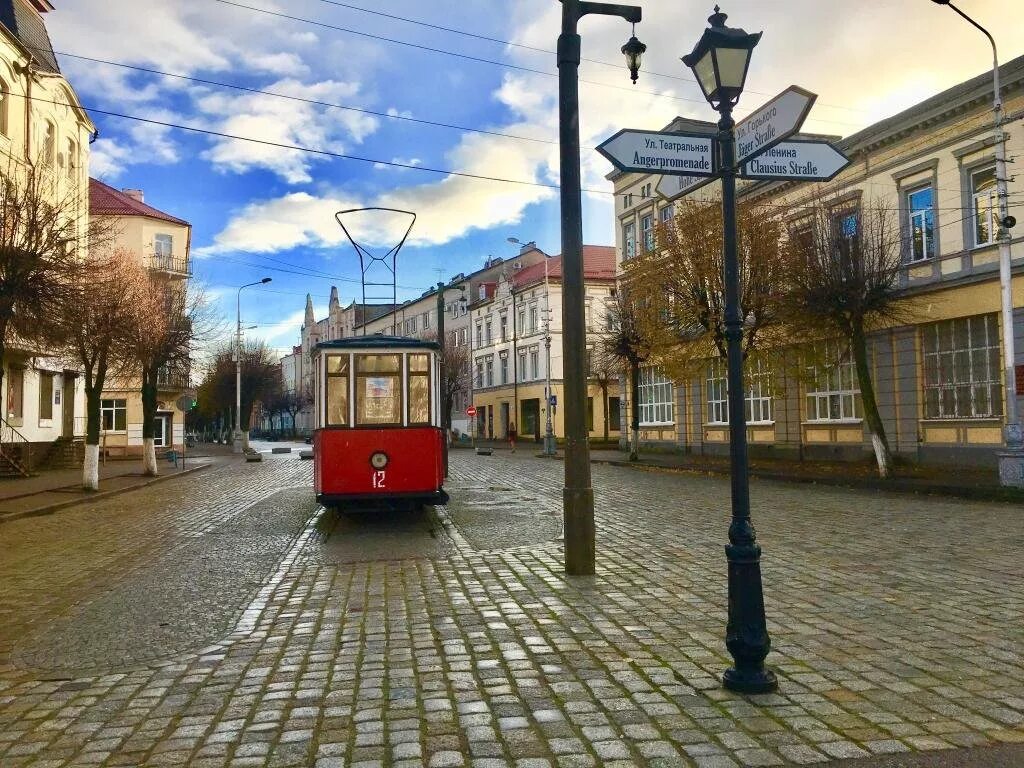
x,y
104,200
598,264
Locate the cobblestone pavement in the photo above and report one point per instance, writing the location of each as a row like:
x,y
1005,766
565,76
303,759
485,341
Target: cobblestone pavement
x,y
896,624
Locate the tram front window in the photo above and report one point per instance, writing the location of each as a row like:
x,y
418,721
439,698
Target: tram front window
x,y
378,390
419,389
337,390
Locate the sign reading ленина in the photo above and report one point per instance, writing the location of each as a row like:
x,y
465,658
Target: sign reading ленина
x,y
796,160
660,152
776,121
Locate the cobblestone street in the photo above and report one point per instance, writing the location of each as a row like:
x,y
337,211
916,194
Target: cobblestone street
x,y
225,620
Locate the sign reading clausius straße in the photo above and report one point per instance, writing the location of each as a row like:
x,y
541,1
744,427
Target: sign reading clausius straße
x,y
796,161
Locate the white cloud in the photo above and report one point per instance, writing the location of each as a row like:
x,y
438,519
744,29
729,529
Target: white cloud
x,y
283,121
108,159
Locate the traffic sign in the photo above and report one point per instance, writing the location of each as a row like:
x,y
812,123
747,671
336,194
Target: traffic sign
x,y
671,187
471,411
687,154
185,403
796,160
776,121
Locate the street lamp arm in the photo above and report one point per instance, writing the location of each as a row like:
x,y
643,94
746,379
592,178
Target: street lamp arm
x,y
995,53
630,13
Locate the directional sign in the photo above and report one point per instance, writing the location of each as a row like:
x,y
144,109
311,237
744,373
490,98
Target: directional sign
x,y
796,160
776,121
686,154
671,187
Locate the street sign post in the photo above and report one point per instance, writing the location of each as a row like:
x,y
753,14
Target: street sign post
x,y
670,187
686,154
796,160
776,121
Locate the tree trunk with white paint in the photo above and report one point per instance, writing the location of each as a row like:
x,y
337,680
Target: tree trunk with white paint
x,y
91,468
149,456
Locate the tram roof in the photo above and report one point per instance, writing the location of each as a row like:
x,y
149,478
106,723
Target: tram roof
x,y
378,342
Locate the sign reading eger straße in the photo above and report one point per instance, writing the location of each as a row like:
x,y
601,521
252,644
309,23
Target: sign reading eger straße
x,y
773,122
684,154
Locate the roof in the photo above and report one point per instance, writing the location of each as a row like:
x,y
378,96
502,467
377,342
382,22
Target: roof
x,y
378,342
26,24
104,200
598,264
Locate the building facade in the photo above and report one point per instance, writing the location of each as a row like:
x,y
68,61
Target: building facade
x,y
162,243
516,341
42,126
939,377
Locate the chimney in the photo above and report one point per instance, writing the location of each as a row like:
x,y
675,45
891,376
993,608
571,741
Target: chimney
x,y
135,194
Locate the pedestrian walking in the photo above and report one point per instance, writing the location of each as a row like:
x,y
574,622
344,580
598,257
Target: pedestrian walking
x,y
512,436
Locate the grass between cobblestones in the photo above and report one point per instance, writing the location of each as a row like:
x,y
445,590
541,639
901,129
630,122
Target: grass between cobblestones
x,y
895,622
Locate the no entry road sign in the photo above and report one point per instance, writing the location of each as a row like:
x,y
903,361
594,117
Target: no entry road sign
x,y
776,121
471,411
796,160
686,154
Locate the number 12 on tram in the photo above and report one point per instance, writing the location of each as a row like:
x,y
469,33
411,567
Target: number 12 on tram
x,y
378,440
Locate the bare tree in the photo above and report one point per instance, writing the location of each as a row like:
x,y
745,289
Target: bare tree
x,y
455,362
293,404
677,289
97,321
624,348
842,267
169,319
45,236
260,378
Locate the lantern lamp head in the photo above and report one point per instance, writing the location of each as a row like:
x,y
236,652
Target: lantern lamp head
x,y
720,61
634,51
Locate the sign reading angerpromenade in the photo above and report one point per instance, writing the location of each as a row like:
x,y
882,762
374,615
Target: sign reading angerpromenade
x,y
659,152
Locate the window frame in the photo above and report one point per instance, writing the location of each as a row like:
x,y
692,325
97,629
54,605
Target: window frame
x,y
826,385
647,231
328,376
654,385
118,405
993,206
358,376
926,227
987,355
628,240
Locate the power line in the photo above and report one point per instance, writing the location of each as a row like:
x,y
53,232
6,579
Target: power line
x,y
467,57
536,49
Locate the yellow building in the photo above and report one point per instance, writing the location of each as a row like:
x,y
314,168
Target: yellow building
x,y
516,338
42,124
162,243
939,379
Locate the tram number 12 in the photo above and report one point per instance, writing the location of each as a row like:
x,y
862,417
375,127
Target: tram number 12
x,y
378,479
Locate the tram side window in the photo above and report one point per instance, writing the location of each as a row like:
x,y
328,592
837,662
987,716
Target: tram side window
x,y
419,389
378,389
337,390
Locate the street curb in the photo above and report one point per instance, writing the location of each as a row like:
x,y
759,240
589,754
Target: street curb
x,y
98,496
1004,495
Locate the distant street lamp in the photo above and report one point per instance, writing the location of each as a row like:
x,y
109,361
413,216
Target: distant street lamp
x,y
720,61
578,495
446,411
237,441
1011,461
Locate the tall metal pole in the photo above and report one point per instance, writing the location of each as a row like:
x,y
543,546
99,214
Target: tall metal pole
x,y
549,430
236,443
578,495
746,635
1011,462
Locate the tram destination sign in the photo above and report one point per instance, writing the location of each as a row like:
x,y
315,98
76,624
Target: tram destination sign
x,y
776,121
671,187
679,154
796,160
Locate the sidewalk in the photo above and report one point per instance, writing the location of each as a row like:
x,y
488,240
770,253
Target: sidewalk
x,y
961,482
51,490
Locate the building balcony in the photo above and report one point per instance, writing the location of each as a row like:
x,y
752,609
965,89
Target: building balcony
x,y
172,380
176,266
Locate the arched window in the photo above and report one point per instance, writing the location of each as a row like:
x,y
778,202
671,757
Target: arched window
x,y
72,159
49,143
5,105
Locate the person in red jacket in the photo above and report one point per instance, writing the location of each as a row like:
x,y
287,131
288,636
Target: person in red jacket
x,y
512,436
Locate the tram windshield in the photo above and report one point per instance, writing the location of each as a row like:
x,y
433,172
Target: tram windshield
x,y
376,389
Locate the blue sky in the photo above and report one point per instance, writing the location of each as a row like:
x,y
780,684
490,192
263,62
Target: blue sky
x,y
258,210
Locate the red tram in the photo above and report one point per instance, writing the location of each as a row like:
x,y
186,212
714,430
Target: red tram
x,y
378,441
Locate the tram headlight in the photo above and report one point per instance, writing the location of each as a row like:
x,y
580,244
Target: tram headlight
x,y
379,460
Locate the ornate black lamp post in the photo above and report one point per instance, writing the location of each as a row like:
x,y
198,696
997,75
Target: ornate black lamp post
x,y
578,495
720,63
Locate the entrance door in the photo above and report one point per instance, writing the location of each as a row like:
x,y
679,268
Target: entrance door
x,y
504,420
530,420
161,431
67,404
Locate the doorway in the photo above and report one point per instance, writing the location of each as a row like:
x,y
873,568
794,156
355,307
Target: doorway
x,y
504,420
67,404
530,420
162,430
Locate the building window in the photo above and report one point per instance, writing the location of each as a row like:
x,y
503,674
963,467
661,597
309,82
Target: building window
x,y
479,335
5,107
718,393
645,191
163,247
627,200
666,214
535,363
533,319
629,241
45,396
503,323
614,414
426,319
114,415
490,371
15,393
647,228
962,377
479,375
986,208
487,332
463,336
49,148
522,322
757,398
833,394
922,224
522,367
656,405
504,369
